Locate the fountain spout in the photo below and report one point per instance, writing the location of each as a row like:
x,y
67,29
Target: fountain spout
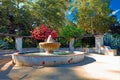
x,y
50,39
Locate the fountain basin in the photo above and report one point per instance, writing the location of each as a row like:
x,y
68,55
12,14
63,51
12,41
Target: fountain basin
x,y
46,60
49,46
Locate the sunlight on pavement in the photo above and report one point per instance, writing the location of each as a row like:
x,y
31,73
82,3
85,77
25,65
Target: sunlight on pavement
x,y
105,68
98,71
5,67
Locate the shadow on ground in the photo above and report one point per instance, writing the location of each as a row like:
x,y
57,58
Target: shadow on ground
x,y
87,60
5,67
62,74
4,73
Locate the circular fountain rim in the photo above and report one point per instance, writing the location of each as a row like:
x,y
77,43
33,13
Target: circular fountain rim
x,y
50,60
50,55
48,42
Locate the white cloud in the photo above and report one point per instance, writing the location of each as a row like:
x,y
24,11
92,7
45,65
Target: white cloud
x,y
114,12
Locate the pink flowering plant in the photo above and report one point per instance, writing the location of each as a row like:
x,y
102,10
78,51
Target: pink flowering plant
x,y
42,32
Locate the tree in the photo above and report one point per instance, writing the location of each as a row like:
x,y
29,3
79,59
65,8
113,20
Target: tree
x,y
24,15
115,30
49,12
93,15
14,16
69,32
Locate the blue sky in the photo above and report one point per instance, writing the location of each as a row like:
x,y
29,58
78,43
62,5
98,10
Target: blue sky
x,y
115,5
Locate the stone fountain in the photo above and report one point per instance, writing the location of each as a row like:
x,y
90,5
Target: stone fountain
x,y
50,45
48,58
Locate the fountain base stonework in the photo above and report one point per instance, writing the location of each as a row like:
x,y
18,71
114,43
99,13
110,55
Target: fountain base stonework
x,y
46,60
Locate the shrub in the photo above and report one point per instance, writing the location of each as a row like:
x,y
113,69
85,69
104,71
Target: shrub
x,y
70,31
42,32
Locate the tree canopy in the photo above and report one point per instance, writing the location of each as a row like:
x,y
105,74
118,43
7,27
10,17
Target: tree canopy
x,y
24,15
70,31
93,15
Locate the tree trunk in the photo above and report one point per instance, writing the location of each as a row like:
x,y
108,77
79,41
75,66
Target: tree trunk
x,y
71,44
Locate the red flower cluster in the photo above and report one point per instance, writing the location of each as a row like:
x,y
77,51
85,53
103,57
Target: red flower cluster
x,y
42,32
54,34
